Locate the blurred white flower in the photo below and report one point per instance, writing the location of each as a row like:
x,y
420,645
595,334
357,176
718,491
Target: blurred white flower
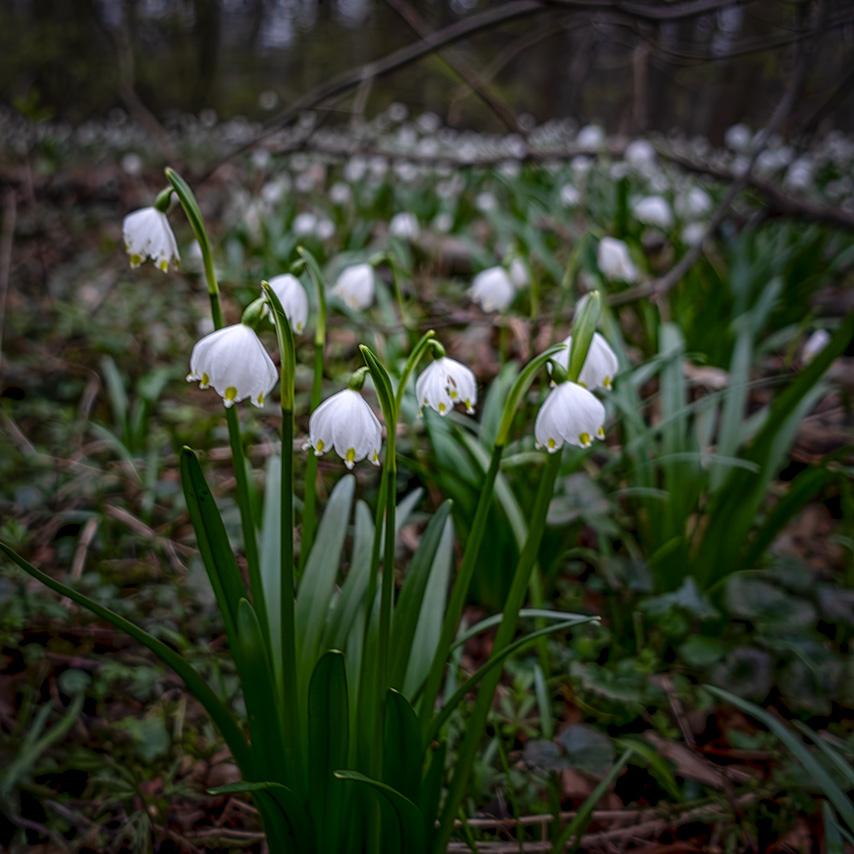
x,y
131,163
346,423
356,168
233,360
692,203
443,222
799,175
485,202
590,138
304,224
492,289
147,234
446,382
294,300
693,233
738,138
518,273
614,260
355,285
340,193
405,226
569,414
580,165
655,211
814,345
569,196
599,367
325,229
640,154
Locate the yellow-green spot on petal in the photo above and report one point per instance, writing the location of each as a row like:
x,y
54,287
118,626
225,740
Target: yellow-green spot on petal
x,y
351,455
453,393
230,393
582,384
601,432
552,444
375,458
319,446
261,399
607,382
135,260
584,438
442,408
164,265
206,380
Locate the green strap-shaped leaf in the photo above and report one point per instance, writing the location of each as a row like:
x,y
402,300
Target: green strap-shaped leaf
x,y
286,804
431,791
262,700
318,581
449,705
409,602
328,739
214,546
402,755
813,767
198,687
408,835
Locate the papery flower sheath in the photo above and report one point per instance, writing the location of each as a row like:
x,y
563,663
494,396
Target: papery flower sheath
x,y
445,382
233,360
614,260
492,289
346,423
599,367
569,414
294,300
355,286
147,234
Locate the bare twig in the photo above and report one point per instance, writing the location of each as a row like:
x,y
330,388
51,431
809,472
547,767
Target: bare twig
x,y
659,287
459,65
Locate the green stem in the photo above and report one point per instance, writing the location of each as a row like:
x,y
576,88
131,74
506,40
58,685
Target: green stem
x,y
504,635
460,590
309,516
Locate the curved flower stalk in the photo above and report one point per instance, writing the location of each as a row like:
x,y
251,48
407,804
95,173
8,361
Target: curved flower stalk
x,y
444,383
147,234
294,300
346,423
234,361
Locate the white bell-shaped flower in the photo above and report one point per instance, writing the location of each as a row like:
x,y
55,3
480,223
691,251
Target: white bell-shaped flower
x,y
599,367
233,360
444,383
640,154
147,234
614,260
355,286
346,423
569,414
655,211
693,203
518,273
293,298
405,226
814,345
492,289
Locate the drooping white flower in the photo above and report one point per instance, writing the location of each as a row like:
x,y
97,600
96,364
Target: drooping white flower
x,y
640,154
294,300
599,367
614,260
738,138
233,360
446,382
355,286
814,345
518,273
405,226
655,211
147,234
693,233
492,289
304,224
590,138
569,196
695,202
346,423
569,414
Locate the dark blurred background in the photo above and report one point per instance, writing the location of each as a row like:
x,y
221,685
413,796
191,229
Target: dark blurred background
x,y
696,65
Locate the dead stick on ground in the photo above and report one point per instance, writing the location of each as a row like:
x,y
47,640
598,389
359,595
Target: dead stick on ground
x,y
659,287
